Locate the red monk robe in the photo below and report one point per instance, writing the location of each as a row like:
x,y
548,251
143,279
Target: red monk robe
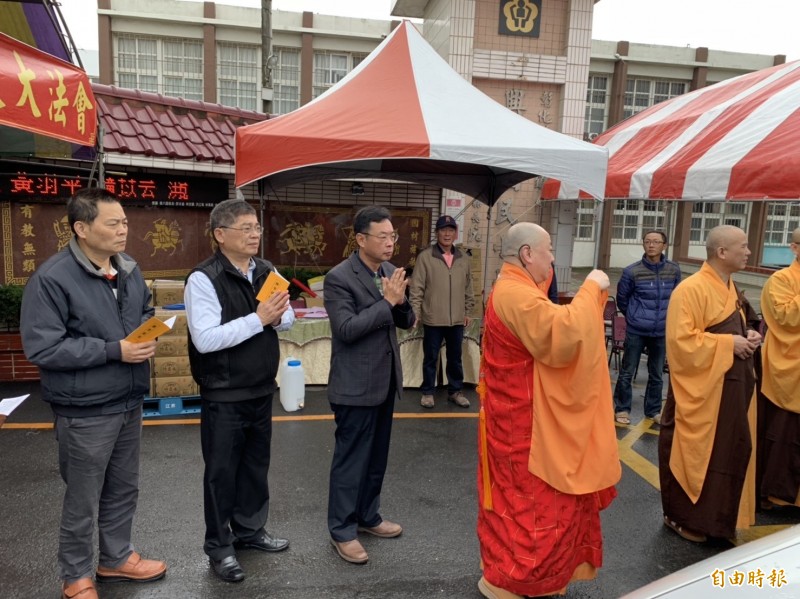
x,y
548,447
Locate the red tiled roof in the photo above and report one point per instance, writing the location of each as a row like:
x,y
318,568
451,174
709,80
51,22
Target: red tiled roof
x,y
137,122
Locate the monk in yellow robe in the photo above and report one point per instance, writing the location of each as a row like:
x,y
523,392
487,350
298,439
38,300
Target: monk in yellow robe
x,y
548,457
780,384
705,449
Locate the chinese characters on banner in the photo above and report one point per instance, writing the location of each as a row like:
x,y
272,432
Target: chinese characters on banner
x,y
318,235
43,94
132,189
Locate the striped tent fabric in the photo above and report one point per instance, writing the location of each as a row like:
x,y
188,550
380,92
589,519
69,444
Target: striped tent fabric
x,y
404,114
735,140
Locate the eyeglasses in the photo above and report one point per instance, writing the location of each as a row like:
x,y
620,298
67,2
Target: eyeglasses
x,y
247,229
653,242
384,237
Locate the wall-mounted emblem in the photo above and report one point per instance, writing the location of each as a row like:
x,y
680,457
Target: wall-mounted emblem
x,y
520,17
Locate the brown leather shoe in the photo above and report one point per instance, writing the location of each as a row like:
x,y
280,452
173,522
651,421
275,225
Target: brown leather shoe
x,y
135,569
384,530
351,551
487,589
83,588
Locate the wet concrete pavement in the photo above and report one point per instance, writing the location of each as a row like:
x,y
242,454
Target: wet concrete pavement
x,y
430,489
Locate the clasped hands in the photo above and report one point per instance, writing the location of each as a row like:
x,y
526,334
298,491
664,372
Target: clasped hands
x,y
394,287
745,347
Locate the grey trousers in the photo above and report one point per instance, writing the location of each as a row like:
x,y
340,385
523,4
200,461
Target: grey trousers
x,y
99,461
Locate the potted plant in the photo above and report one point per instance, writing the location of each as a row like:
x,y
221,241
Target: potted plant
x,y
10,304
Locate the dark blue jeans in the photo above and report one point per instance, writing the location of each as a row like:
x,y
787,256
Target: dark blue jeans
x,y
431,344
656,351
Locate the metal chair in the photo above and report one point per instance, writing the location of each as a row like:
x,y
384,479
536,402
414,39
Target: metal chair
x,y
618,329
608,316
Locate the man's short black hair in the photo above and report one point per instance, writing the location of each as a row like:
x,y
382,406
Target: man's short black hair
x,y
663,235
368,215
83,205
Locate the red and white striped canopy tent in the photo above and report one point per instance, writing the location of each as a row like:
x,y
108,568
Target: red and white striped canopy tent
x,y
404,114
735,140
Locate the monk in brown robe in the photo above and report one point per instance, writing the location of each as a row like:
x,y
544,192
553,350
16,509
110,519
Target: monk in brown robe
x,y
548,457
705,449
779,422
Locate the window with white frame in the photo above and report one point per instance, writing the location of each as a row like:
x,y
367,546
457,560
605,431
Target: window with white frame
x,y
596,97
643,93
238,75
707,215
286,80
782,219
632,218
170,66
137,63
586,212
331,67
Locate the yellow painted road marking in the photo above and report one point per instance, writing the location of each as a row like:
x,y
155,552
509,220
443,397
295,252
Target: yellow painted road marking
x,y
627,455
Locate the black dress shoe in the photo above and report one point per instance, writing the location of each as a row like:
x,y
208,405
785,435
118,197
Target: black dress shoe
x,y
263,542
228,569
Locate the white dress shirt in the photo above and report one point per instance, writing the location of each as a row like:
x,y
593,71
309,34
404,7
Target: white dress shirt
x,y
204,316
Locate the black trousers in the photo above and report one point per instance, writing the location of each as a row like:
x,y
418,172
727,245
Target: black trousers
x,y
235,438
358,466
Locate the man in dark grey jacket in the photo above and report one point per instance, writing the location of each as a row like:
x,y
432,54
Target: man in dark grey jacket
x,y
365,300
77,310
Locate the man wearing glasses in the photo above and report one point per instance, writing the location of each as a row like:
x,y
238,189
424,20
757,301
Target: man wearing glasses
x,y
234,355
643,295
365,300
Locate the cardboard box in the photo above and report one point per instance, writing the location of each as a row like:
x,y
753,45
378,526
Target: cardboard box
x,y
167,292
171,366
180,327
313,302
173,386
172,345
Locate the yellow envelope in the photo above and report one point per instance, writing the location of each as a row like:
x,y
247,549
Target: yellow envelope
x,y
273,284
150,330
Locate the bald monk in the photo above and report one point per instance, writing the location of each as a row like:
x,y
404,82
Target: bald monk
x,y
708,425
548,448
780,384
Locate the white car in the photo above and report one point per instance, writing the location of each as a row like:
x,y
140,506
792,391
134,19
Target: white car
x,y
766,568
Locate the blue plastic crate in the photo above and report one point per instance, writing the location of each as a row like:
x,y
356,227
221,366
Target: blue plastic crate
x,y
171,406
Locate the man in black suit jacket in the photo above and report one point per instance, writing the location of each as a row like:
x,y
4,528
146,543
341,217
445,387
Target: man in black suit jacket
x,y
365,300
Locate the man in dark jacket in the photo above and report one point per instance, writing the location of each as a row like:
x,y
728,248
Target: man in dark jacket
x,y
365,299
234,355
77,310
643,295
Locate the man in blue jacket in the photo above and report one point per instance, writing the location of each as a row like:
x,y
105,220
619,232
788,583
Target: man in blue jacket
x,y
77,310
643,294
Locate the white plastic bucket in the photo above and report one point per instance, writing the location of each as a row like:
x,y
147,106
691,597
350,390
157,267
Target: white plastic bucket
x,y
293,385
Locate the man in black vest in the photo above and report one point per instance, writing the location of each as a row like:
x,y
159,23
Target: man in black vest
x,y
234,355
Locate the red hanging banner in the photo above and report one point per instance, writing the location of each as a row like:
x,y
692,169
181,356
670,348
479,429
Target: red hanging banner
x,y
44,94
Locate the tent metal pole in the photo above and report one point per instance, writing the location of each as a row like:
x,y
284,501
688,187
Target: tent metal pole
x,y
261,208
492,201
598,219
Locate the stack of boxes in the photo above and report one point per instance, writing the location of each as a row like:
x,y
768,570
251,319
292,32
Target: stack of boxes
x,y
170,372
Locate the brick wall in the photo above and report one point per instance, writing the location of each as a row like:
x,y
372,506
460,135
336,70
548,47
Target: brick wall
x,y
13,365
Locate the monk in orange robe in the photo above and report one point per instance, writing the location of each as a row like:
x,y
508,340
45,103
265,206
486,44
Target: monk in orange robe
x,y
780,385
548,457
706,461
